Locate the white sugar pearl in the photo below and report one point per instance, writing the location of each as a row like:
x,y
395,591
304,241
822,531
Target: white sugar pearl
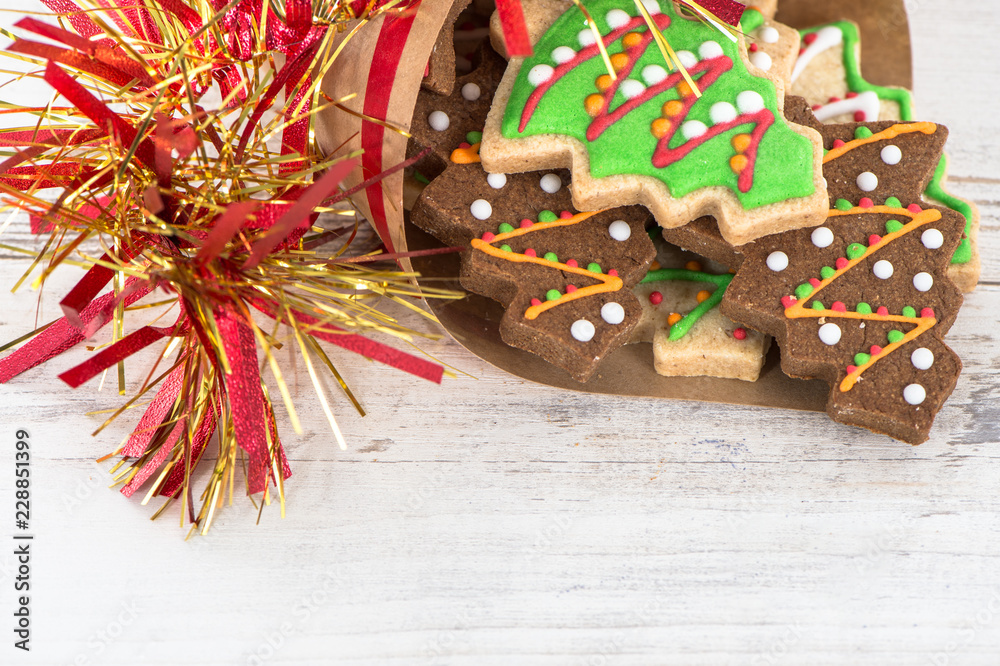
x,y
481,209
882,269
653,74
892,155
620,230
749,101
586,37
539,74
496,180
761,60
923,281
770,35
550,183
722,112
582,330
932,239
631,88
693,129
616,18
687,59
613,313
471,91
562,54
652,6
777,261
867,181
709,50
922,359
439,121
822,237
914,394
829,334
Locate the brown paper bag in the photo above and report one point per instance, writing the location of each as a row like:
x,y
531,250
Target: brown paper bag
x,y
474,321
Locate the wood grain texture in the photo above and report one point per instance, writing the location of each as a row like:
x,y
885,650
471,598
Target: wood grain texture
x,y
490,521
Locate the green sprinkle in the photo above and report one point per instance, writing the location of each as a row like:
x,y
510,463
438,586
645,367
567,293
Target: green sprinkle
x,y
547,216
594,268
803,290
827,272
421,178
552,295
893,202
861,359
895,336
909,312
505,228
506,248
862,133
817,305
863,308
843,204
550,256
474,137
892,226
855,250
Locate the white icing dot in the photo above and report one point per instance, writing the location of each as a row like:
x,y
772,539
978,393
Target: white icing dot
x,y
914,394
822,237
586,37
652,6
438,120
932,239
761,60
829,334
922,359
616,18
539,74
653,74
722,112
770,35
777,261
892,155
749,101
692,129
562,54
620,230
867,181
471,91
582,329
496,180
631,88
882,269
687,59
709,50
613,313
550,183
481,209
923,281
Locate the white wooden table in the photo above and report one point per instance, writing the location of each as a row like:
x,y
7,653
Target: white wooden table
x,y
494,522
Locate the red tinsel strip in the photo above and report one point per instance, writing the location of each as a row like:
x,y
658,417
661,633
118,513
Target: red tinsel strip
x,y
515,30
77,17
729,11
224,228
154,463
119,351
84,292
157,410
175,479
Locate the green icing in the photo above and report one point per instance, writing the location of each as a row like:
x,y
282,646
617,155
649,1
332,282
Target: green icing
x,y
893,202
818,305
506,248
474,137
505,228
909,312
752,19
936,192
553,295
892,226
863,308
861,359
855,250
843,204
594,268
827,272
803,291
547,216
784,161
550,256
862,133
895,336
681,328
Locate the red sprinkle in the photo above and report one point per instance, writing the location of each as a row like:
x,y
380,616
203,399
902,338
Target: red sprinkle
x,y
535,302
488,237
530,252
801,51
754,48
817,107
914,208
851,95
927,313
788,301
814,282
882,311
656,298
876,350
740,333
570,288
837,143
810,38
571,263
841,263
565,215
464,145
866,203
851,369
838,306
874,239
833,99
860,116
525,223
613,273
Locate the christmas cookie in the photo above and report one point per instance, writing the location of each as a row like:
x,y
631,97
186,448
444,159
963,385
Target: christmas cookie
x,y
772,47
564,276
439,77
680,297
646,136
864,300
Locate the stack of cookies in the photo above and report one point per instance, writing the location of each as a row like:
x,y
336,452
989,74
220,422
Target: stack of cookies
x,y
605,196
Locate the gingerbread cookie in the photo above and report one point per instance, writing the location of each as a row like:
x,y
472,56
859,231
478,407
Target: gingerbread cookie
x,y
646,136
439,76
691,338
564,276
864,300
772,46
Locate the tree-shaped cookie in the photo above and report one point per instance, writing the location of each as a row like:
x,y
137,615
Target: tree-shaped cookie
x,y
564,276
646,135
864,300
